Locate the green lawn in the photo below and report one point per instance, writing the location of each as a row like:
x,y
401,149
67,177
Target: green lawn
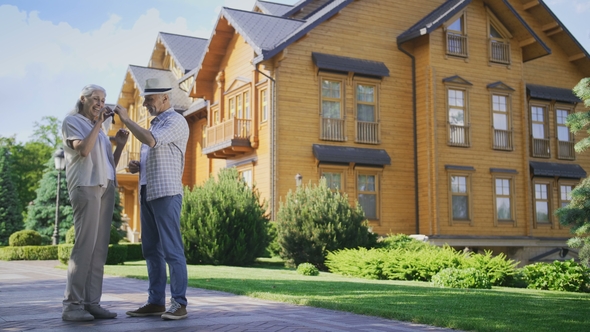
x,y
498,309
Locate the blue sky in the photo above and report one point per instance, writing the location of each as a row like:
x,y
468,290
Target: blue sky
x,y
52,48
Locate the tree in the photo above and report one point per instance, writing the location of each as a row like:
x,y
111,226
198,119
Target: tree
x,y
47,132
10,217
41,214
576,214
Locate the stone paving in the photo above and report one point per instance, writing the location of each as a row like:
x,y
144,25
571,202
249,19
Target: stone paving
x,y
31,293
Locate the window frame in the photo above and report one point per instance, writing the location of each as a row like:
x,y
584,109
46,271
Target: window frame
x,y
375,137
332,129
509,124
469,194
560,200
494,22
510,176
342,170
377,173
547,137
248,167
461,34
571,142
466,116
263,104
548,182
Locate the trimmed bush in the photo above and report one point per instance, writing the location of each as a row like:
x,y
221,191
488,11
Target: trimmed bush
x,y
223,222
307,269
25,237
402,241
567,276
461,278
115,237
314,220
29,253
134,252
117,253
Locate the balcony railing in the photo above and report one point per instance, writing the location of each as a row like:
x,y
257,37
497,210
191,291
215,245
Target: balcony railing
x,y
233,128
456,44
459,135
565,150
367,132
540,147
332,129
499,51
503,139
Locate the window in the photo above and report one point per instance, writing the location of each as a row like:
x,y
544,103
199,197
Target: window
x,y
367,194
460,202
367,124
334,178
246,176
499,40
457,113
542,204
540,140
204,137
239,111
457,37
502,133
263,105
565,194
504,204
332,122
565,140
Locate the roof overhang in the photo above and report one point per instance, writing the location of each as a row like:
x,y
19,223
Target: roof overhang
x,y
345,64
552,93
543,169
333,154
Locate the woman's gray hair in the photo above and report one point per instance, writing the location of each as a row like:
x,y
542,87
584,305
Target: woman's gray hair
x,y
87,91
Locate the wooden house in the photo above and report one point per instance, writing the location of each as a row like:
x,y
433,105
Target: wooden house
x,y
442,118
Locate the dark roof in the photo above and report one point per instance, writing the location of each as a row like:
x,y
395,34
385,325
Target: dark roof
x,y
450,8
552,93
345,154
272,8
555,169
433,20
180,101
346,64
187,51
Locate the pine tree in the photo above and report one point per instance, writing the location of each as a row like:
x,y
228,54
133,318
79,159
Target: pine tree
x,y
41,214
576,214
10,217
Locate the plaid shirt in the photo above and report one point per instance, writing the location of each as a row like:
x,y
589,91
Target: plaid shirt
x,y
165,161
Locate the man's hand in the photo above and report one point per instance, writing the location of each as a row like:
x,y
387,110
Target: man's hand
x,y
133,166
121,137
122,112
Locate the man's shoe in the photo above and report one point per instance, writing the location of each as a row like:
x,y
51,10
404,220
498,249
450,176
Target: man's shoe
x,y
148,309
76,315
99,312
176,311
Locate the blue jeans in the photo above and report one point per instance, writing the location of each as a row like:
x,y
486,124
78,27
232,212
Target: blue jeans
x,y
161,244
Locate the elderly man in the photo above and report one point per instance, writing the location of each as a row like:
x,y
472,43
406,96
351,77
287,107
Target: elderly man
x,y
160,173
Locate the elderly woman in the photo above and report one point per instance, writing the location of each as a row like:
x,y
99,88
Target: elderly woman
x,y
90,175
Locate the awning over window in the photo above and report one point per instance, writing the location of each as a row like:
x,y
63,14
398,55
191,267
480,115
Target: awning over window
x,y
555,169
347,155
345,64
551,93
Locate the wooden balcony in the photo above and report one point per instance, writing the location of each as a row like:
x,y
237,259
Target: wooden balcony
x,y
228,139
499,51
367,132
540,148
456,44
459,135
503,140
565,150
332,129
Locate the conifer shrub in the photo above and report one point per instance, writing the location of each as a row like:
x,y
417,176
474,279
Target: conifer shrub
x,y
223,222
25,238
402,241
461,278
314,220
307,269
500,270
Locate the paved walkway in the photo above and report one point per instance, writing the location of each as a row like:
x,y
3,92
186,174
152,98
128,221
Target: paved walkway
x,y
31,293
